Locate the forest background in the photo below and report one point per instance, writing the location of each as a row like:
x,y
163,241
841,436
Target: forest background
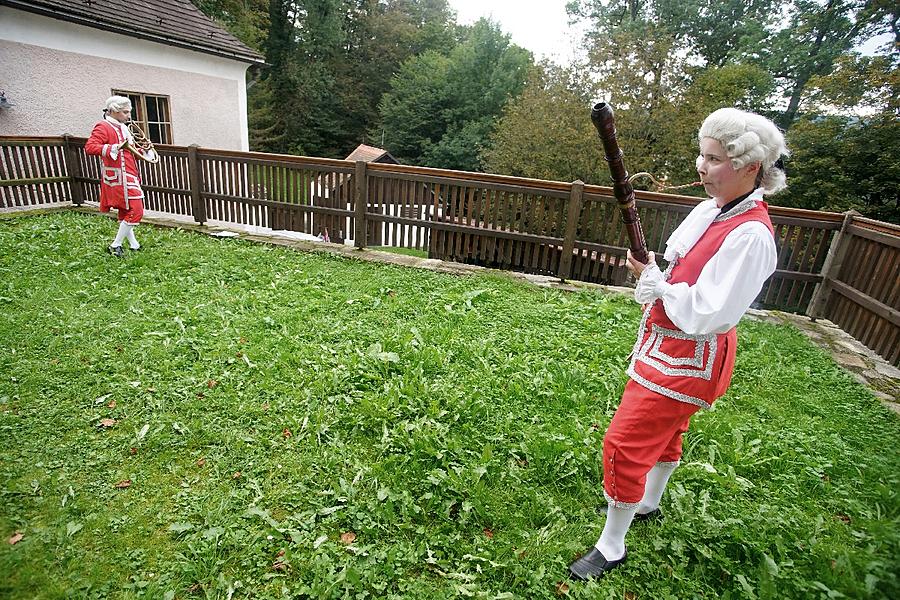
x,y
405,76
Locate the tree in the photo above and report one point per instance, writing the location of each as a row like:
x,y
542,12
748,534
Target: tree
x,y
440,110
809,46
665,64
843,113
412,111
247,20
859,83
381,36
664,37
842,163
731,31
635,52
330,61
268,126
546,132
664,40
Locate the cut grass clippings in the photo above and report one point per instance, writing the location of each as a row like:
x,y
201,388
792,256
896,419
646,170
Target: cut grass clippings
x,y
214,418
404,251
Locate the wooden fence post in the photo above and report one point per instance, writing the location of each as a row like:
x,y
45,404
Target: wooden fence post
x,y
360,205
573,214
73,167
831,267
196,183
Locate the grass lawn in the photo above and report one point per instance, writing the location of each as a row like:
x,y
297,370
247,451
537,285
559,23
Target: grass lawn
x,y
211,418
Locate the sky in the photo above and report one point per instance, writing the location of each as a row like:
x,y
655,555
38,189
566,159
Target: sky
x,y
540,26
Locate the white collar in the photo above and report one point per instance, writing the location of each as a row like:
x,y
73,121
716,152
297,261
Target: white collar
x,y
122,127
696,224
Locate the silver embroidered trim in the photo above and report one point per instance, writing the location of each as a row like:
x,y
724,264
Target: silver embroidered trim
x,y
653,387
737,210
657,334
668,464
636,352
640,334
668,272
695,361
112,176
616,504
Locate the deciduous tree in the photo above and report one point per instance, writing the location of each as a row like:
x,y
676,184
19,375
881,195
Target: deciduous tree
x,y
440,110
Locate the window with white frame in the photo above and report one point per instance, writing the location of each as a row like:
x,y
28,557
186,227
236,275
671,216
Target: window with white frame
x,y
152,114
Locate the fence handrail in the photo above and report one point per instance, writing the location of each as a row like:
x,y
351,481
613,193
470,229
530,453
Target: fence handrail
x,y
271,157
880,226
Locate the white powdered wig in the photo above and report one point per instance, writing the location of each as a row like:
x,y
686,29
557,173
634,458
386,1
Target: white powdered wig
x,y
748,138
117,103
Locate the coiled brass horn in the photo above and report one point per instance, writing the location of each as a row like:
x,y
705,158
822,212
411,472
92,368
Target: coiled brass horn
x,y
143,148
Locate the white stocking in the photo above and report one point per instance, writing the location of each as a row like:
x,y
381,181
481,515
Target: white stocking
x,y
657,478
132,241
612,541
120,235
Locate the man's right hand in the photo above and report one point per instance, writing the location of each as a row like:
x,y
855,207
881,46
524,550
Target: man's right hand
x,y
637,267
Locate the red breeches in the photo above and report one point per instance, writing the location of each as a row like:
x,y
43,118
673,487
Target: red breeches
x,y
646,429
135,212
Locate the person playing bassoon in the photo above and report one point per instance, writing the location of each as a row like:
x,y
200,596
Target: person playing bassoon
x,y
718,260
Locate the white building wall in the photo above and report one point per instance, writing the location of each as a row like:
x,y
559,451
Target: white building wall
x,y
59,74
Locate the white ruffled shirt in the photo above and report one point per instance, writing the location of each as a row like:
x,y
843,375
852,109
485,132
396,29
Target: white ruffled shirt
x,y
728,283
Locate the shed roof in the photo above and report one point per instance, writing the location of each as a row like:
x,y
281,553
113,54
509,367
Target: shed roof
x,y
172,22
371,154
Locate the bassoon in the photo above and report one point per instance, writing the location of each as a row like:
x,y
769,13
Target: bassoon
x,y
602,118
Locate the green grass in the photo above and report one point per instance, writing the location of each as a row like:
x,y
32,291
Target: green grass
x,y
453,424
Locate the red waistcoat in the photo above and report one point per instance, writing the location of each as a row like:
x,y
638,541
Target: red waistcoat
x,y
686,367
119,176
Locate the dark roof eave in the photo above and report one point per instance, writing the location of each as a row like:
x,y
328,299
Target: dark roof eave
x,y
131,33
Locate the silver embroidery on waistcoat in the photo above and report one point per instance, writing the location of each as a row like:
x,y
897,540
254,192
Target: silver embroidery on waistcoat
x,y
646,351
740,209
654,341
695,361
663,391
112,176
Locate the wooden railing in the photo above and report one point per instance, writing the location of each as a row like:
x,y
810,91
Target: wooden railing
x,y
33,171
861,288
568,230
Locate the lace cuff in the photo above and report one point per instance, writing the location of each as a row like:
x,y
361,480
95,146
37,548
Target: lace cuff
x,y
650,285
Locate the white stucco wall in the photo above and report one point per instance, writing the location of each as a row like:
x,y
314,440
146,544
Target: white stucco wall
x,y
59,74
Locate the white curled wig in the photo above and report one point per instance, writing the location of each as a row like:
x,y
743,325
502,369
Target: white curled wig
x,y
748,138
117,103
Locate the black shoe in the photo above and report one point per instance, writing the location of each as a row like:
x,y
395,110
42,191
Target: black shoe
x,y
116,251
654,515
592,565
138,249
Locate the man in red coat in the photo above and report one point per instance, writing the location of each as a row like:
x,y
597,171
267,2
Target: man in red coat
x,y
120,184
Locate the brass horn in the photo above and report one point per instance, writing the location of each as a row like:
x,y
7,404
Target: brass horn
x,y
143,148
